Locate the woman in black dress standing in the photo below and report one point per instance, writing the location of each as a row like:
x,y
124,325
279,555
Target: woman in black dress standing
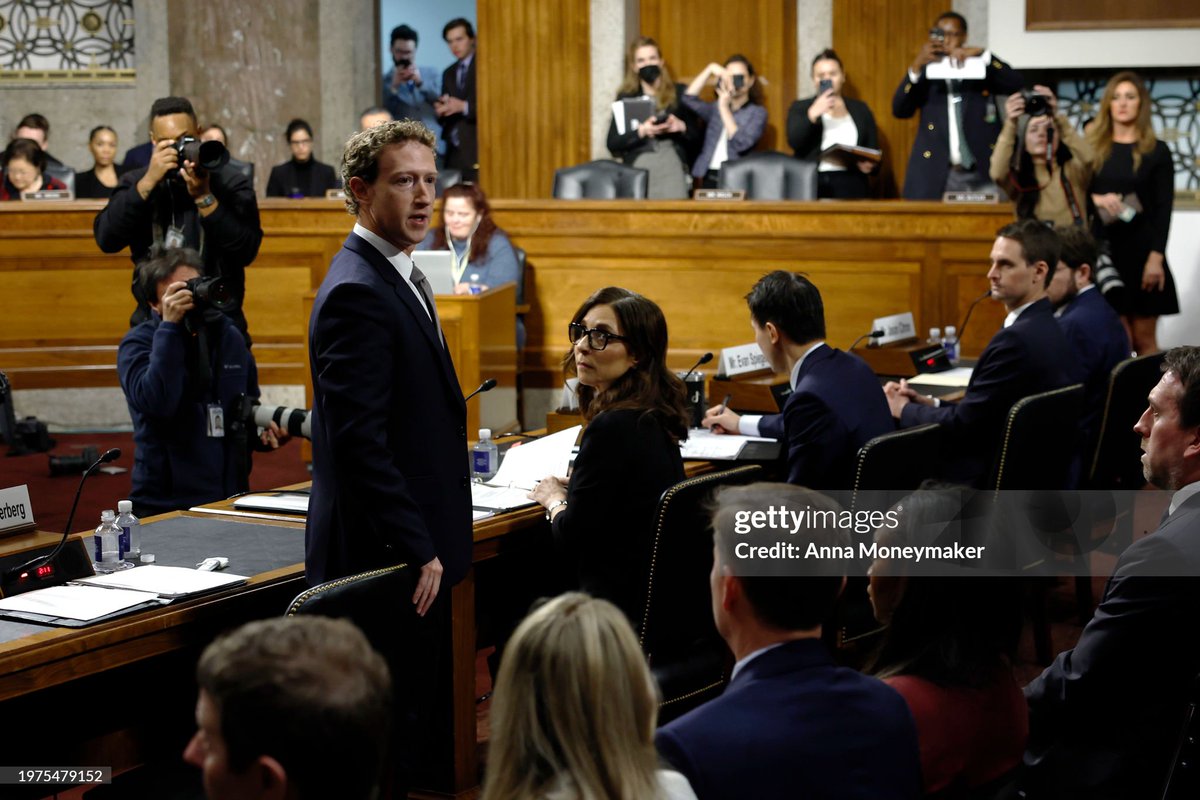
x,y
1133,192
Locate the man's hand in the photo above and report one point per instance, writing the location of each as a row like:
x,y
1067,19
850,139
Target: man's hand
x,y
177,302
720,419
403,76
273,436
447,106
196,178
427,586
960,54
163,161
900,394
930,52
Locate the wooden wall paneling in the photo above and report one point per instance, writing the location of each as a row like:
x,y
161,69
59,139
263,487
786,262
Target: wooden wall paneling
x,y
1065,15
876,42
695,33
534,93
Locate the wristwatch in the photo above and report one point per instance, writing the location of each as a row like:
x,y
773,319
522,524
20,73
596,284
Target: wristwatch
x,y
550,508
206,201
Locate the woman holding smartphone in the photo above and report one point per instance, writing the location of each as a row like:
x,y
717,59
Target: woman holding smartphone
x,y
735,122
827,119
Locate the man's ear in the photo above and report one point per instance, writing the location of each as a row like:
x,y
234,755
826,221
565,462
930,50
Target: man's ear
x,y
1041,270
359,188
731,589
772,332
271,776
1083,276
1192,449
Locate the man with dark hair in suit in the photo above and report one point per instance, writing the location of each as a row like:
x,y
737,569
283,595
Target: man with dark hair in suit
x,y
390,480
456,106
1027,356
1093,328
175,203
834,407
1105,716
959,122
791,723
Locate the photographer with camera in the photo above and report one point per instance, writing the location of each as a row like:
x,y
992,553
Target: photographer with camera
x,y
959,122
1041,161
188,196
410,91
734,123
183,372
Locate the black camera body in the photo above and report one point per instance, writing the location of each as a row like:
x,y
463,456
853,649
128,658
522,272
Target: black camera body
x,y
209,155
210,292
403,63
937,35
1036,104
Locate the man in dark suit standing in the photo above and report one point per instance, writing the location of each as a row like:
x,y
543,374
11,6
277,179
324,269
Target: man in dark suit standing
x,y
1028,355
390,477
834,407
456,106
1104,717
791,723
959,122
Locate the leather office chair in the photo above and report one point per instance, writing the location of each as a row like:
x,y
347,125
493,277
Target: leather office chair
x,y
900,461
601,180
447,178
688,657
770,175
1183,777
1025,461
64,174
1116,462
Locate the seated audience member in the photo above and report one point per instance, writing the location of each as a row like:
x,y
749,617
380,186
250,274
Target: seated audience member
x,y
834,407
410,91
99,181
1028,355
958,118
666,144
791,723
1105,717
947,648
183,372
575,710
829,119
24,163
733,124
215,133
183,205
303,176
284,700
1052,191
1097,337
373,117
603,518
483,255
37,128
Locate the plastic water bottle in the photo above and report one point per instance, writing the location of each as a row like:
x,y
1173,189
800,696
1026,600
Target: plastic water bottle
x,y
108,543
473,284
485,457
935,336
950,343
131,531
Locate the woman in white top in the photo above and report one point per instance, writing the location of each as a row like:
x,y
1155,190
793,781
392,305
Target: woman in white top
x,y
827,119
574,711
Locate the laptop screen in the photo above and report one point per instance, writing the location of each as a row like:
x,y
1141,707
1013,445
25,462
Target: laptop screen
x,y
438,268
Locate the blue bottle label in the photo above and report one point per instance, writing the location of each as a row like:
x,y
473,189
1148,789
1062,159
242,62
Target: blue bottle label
x,y
482,462
123,541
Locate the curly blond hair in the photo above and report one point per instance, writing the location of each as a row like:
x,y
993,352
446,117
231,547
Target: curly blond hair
x,y
360,158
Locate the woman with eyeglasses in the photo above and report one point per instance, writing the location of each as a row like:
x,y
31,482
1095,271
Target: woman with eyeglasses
x,y
24,163
602,518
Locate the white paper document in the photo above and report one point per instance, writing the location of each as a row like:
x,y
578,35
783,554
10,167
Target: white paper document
x,y
704,445
972,69
165,581
74,602
956,378
289,502
523,466
498,498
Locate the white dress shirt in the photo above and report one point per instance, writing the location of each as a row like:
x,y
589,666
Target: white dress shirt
x,y
398,259
955,155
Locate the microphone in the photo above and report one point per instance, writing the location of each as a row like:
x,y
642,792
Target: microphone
x,y
875,334
704,359
486,386
109,455
962,328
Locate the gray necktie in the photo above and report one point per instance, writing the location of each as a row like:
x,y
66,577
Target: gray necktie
x,y
422,283
966,157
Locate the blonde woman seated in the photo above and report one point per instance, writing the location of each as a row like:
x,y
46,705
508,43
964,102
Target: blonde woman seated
x,y
574,711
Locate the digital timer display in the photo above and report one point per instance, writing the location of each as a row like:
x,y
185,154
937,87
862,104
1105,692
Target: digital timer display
x,y
45,571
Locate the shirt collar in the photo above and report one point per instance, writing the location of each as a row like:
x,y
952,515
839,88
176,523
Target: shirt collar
x,y
796,369
1012,315
1183,495
744,661
394,255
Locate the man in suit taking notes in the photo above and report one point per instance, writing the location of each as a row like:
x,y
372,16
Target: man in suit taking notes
x,y
390,480
456,106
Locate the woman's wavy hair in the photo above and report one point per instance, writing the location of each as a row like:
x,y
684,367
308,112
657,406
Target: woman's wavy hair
x,y
575,708
1100,134
1021,183
482,236
648,385
665,95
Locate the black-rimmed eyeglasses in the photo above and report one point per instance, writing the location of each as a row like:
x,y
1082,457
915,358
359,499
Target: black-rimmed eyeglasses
x,y
597,339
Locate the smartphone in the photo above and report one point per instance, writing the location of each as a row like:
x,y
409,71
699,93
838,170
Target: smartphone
x,y
739,81
661,117
824,86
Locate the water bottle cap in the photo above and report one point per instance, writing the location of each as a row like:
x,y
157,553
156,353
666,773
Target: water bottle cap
x,y
125,506
485,433
934,332
107,515
951,330
146,558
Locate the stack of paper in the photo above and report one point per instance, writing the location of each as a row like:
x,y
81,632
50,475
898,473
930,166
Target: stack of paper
x,y
704,445
521,469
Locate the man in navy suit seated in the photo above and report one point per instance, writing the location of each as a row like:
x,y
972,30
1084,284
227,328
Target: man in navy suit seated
x,y
791,722
1091,324
834,407
1029,355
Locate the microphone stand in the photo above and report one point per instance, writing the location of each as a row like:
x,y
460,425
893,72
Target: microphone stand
x,y
704,359
962,328
486,386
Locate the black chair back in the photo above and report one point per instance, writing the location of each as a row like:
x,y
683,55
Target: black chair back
x,y
1116,463
898,461
1040,440
770,175
64,173
447,178
601,180
688,657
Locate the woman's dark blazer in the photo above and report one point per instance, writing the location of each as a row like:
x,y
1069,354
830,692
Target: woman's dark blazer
x,y
804,137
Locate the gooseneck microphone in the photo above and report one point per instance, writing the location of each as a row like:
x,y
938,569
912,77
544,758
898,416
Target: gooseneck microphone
x,y
962,328
875,334
704,359
109,455
486,386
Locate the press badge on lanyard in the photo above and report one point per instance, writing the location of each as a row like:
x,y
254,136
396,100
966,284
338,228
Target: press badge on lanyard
x,y
173,238
216,421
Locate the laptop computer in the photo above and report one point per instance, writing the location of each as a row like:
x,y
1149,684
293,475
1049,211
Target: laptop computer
x,y
438,266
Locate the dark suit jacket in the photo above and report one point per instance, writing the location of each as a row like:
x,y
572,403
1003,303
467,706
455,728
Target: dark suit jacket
x,y
465,155
793,724
389,438
836,408
804,137
1100,343
929,163
626,461
1103,718
1030,356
